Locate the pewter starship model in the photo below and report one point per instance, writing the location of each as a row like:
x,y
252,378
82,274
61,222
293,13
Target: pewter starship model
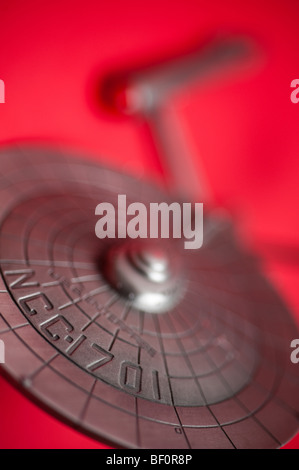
x,y
143,345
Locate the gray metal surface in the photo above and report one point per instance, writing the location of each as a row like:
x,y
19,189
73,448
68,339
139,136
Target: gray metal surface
x,y
212,372
148,275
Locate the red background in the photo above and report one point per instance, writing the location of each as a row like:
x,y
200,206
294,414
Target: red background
x,y
244,130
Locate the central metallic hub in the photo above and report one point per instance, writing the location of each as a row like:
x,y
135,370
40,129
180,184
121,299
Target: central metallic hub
x,y
146,275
